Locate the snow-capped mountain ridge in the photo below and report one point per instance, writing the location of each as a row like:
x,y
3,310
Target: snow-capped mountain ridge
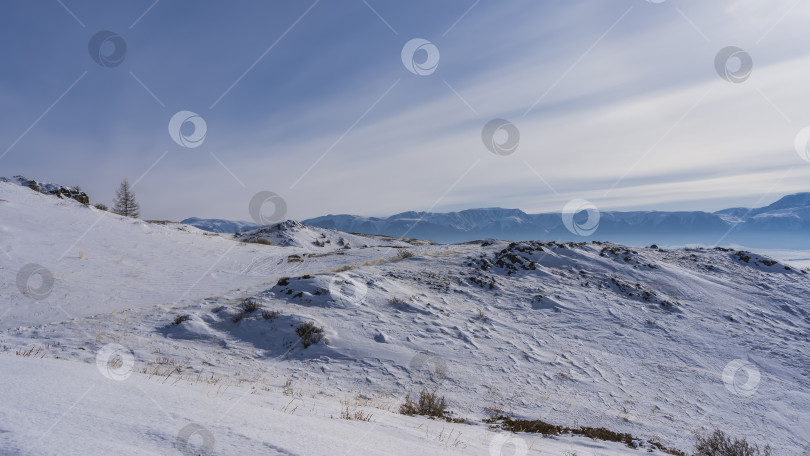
x,y
794,201
780,224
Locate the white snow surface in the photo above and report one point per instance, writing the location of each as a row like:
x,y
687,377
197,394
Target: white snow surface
x,y
652,342
57,407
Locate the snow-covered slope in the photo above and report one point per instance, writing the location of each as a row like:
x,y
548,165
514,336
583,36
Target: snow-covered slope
x,y
295,234
220,225
51,189
101,262
54,407
652,342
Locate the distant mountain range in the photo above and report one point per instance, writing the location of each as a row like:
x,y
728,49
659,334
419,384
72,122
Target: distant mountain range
x,y
783,224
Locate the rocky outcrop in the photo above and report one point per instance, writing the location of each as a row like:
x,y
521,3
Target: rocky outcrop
x,y
51,189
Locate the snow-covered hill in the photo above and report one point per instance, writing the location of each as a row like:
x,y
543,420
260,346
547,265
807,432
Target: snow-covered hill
x,y
784,224
101,262
48,188
204,328
220,225
295,234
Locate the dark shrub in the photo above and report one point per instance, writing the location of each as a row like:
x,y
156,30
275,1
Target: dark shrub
x,y
309,333
719,444
180,318
402,254
427,404
248,306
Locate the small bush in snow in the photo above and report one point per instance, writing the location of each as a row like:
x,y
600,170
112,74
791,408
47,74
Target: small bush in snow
x,y
402,254
353,413
719,444
545,428
180,318
309,333
427,404
100,206
29,353
270,315
248,306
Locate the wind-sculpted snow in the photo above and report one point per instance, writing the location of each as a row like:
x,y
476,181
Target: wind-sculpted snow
x,y
647,341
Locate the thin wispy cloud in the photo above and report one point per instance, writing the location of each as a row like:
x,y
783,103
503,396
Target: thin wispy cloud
x,y
618,103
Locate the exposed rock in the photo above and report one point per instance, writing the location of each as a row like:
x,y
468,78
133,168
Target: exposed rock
x,y
51,189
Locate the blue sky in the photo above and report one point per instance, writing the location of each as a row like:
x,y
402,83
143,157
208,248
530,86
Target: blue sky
x,y
616,101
